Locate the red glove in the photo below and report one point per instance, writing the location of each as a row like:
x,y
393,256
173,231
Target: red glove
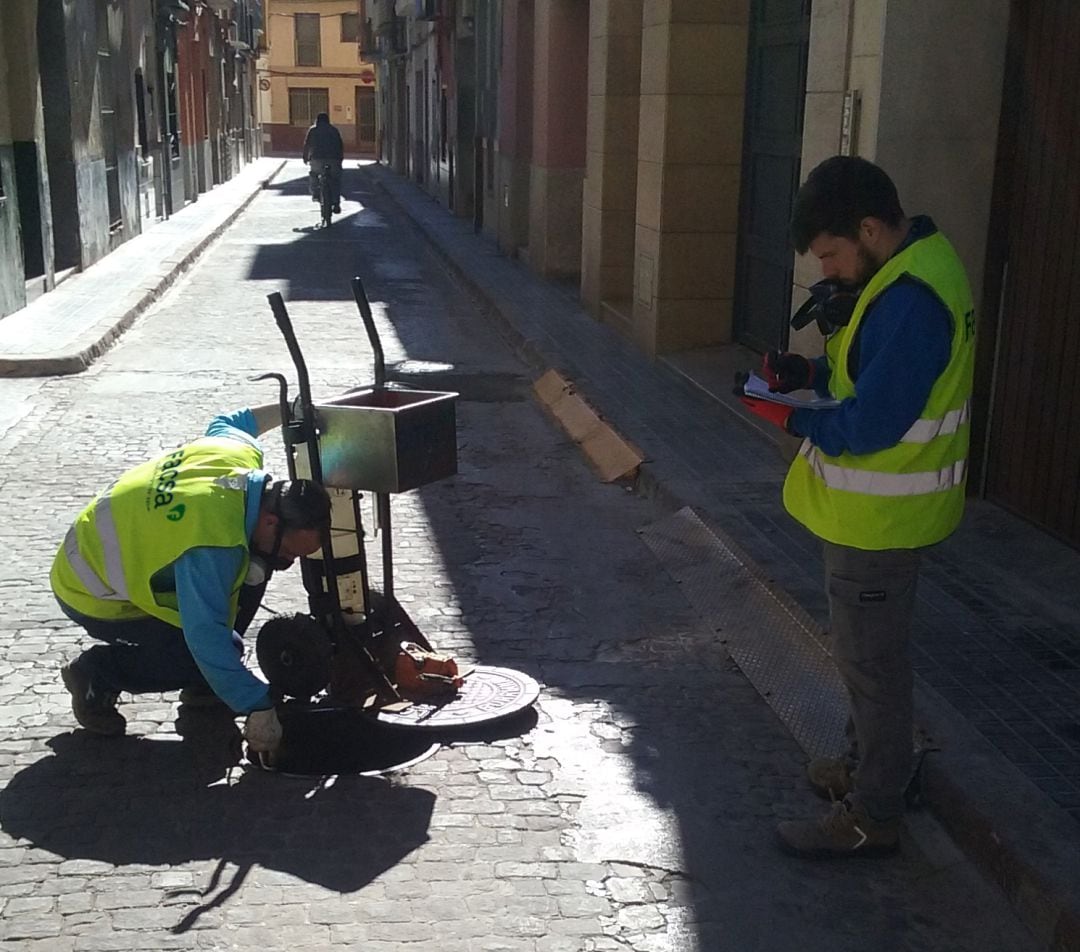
x,y
775,413
784,372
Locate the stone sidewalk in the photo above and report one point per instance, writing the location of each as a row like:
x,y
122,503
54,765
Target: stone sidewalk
x,y
64,331
996,647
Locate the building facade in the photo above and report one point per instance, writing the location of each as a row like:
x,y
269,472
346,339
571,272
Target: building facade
x,y
650,150
312,65
484,105
704,118
113,115
215,91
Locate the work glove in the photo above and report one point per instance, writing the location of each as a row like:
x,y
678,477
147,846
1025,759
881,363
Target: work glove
x,y
775,413
785,371
262,731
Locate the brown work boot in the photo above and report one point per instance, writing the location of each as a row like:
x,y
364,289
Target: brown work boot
x,y
830,777
94,709
845,830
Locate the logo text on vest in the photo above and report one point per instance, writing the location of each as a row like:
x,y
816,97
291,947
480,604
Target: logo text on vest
x,y
163,481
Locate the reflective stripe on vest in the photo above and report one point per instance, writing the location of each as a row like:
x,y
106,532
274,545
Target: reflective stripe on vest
x,y
871,483
82,570
909,494
923,431
113,587
110,546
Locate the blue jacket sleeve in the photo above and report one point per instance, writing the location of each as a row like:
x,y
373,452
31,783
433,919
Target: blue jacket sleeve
x,y
238,425
904,346
204,579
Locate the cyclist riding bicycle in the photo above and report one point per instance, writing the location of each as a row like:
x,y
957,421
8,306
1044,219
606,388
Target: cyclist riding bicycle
x,y
323,148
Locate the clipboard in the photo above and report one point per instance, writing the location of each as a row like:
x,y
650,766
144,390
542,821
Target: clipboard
x,y
754,386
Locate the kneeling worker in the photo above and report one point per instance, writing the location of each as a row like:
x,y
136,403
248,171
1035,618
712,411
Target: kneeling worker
x,y
168,565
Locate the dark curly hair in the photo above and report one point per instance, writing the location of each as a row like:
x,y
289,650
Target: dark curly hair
x,y
299,503
837,195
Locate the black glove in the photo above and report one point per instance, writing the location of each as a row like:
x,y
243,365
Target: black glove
x,y
738,388
784,372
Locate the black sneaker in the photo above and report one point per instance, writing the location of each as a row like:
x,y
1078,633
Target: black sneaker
x,y
337,209
94,710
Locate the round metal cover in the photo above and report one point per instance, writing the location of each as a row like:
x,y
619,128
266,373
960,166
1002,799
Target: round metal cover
x,y
489,694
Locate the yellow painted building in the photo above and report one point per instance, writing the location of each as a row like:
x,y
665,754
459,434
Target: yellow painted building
x,y
312,64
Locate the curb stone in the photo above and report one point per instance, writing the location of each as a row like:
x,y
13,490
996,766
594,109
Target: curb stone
x,y
149,293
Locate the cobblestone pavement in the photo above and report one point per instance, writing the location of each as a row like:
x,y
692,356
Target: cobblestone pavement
x,y
635,814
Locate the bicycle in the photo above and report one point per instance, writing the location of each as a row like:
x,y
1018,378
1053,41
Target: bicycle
x,y
326,201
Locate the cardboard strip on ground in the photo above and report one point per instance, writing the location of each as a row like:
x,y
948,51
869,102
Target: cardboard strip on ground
x,y
608,453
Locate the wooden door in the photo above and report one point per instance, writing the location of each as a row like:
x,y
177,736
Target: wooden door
x,y
772,148
1030,346
365,119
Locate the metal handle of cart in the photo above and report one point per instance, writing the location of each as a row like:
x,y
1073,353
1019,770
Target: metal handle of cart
x,y
373,335
384,440
305,430
327,605
382,500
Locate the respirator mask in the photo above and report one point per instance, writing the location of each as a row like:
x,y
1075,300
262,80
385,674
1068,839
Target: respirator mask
x,y
263,564
831,304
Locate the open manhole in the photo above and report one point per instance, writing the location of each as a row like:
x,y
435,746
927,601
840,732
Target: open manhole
x,y
321,740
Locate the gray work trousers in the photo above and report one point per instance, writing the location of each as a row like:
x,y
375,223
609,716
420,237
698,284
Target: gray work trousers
x,y
871,600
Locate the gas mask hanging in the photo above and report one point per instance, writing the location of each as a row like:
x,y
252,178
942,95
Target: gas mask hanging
x,y
831,304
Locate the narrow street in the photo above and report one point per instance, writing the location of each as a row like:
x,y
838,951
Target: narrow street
x,y
638,812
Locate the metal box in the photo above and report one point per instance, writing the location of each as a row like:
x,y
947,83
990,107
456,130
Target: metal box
x,y
387,441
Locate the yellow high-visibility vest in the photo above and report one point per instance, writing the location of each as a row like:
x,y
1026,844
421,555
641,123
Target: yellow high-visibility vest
x,y
911,494
153,514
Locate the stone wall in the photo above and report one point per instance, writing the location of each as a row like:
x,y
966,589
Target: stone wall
x,y
12,285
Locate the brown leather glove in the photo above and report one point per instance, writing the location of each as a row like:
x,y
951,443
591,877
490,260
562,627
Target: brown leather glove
x,y
425,673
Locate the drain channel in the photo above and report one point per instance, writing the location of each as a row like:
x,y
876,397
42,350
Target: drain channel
x,y
774,644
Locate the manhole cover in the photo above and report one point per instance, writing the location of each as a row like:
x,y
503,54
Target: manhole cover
x,y
487,387
489,694
332,740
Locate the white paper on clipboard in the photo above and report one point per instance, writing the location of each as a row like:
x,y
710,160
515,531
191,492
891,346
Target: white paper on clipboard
x,y
756,387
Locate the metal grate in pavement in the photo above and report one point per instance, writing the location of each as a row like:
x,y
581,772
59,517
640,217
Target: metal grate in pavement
x,y
773,642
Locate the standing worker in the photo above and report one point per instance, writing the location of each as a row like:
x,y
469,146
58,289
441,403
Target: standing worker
x,y
878,479
168,565
323,146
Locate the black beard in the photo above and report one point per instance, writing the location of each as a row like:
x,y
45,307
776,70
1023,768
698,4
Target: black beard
x,y
868,267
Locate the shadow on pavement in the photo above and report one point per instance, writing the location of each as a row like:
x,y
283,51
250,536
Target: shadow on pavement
x,y
681,770
318,263
312,263
289,186
548,579
134,800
